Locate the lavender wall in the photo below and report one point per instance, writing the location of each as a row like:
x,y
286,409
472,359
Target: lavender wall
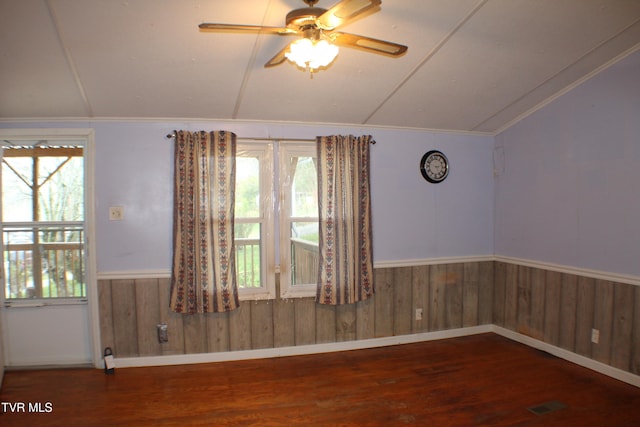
x,y
413,220
568,185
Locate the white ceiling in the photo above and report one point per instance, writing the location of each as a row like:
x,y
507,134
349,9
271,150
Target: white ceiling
x,y
472,65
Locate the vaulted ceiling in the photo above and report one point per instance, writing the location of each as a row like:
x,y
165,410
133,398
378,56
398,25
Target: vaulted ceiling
x,y
472,65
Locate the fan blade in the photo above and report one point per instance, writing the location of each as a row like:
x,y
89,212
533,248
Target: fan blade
x,y
245,28
367,43
278,59
343,11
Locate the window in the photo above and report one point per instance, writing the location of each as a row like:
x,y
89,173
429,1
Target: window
x,y
254,220
298,220
259,215
43,220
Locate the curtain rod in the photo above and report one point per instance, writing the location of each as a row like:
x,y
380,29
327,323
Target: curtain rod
x,y
173,135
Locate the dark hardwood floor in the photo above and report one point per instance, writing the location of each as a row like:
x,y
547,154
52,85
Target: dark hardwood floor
x,y
481,380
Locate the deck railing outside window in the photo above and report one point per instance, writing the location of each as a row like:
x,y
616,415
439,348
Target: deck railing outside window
x,y
248,262
304,262
47,262
44,261
304,256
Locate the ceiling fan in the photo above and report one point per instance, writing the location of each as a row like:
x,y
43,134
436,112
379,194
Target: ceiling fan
x,y
317,28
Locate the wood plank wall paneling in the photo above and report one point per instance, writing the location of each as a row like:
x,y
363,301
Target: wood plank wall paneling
x,y
437,292
283,315
420,297
623,307
125,332
499,293
603,320
552,304
486,280
470,294
130,311
584,315
365,319
346,321
147,314
568,308
557,308
562,310
174,321
383,300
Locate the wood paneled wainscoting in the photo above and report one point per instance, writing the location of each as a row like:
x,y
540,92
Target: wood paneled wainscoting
x,y
449,296
557,309
563,309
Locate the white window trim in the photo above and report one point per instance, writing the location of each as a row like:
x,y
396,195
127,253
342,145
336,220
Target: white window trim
x,y
285,150
264,152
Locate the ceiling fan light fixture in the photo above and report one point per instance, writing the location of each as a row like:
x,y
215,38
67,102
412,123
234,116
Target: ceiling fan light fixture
x,y
312,54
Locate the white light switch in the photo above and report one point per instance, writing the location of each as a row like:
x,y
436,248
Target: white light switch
x,y
116,213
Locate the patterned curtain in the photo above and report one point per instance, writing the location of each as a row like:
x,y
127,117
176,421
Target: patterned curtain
x,y
345,274
203,278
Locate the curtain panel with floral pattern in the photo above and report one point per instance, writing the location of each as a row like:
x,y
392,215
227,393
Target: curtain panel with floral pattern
x,y
203,278
345,274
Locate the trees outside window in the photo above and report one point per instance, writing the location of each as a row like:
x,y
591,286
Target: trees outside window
x,y
43,221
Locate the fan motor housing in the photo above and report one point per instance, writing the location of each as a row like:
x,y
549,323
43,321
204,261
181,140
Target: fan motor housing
x,y
305,17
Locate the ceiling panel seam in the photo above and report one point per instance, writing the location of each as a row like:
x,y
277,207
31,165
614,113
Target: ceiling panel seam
x,y
250,64
69,58
429,55
559,92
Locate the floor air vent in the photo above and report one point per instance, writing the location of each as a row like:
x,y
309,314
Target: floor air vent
x,y
547,407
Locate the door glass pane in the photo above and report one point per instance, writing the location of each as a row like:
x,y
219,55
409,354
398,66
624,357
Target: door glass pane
x,y
61,190
17,178
43,184
44,262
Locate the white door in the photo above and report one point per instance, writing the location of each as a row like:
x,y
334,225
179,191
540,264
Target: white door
x,y
47,287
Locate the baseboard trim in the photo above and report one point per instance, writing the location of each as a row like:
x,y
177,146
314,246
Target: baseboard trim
x,y
186,359
585,362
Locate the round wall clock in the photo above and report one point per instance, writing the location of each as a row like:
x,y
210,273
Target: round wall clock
x,y
434,166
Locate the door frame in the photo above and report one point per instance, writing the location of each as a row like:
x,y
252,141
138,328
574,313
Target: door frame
x,y
88,134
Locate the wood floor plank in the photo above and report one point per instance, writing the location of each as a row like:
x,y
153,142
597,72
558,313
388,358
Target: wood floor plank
x,y
480,380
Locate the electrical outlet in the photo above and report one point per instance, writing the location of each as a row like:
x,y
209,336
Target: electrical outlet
x,y
116,213
163,332
418,314
595,336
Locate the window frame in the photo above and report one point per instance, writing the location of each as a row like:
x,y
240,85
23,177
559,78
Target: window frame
x,y
286,150
264,152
